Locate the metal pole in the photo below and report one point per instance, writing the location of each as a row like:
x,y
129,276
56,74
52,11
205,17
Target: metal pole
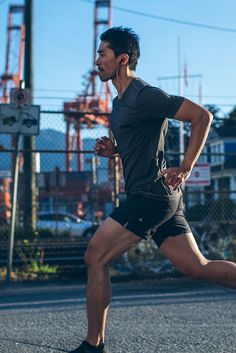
x,y
116,181
29,141
180,92
13,209
94,170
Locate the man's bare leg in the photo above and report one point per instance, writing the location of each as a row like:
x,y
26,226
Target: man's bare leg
x,y
98,300
184,253
110,241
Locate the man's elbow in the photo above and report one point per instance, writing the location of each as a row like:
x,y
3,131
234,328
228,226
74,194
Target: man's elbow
x,y
206,117
209,116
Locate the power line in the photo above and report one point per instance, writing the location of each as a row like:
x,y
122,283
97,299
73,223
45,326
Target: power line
x,y
55,90
173,20
214,96
221,104
56,98
183,22
64,99
76,92
177,77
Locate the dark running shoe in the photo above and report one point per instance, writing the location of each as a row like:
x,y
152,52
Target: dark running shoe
x,y
85,347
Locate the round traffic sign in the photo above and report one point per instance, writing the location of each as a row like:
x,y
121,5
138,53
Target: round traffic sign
x,y
20,96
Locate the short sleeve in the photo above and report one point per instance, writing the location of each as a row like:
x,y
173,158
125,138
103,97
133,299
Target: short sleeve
x,y
154,103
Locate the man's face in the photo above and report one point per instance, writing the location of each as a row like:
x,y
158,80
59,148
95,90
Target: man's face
x,y
106,62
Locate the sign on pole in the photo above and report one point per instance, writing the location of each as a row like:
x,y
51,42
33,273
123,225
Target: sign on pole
x,y
19,119
200,175
20,97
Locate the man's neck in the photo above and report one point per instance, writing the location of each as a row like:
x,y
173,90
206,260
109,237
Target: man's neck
x,y
122,82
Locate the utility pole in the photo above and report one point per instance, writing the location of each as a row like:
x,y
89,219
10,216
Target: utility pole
x,y
180,77
29,141
180,93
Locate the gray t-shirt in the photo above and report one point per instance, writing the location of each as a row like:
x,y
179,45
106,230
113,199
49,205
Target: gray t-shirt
x,y
139,124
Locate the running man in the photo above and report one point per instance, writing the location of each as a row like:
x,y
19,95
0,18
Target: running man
x,y
154,203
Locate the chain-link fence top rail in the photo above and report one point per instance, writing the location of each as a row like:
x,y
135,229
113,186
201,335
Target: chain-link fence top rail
x,y
76,183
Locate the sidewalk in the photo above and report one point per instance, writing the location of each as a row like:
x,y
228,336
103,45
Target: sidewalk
x,y
125,284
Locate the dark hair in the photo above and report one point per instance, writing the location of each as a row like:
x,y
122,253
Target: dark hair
x,y
123,40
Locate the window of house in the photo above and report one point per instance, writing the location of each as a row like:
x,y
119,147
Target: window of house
x,y
217,149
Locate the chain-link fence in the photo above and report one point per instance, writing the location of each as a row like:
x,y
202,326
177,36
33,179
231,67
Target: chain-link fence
x,y
74,191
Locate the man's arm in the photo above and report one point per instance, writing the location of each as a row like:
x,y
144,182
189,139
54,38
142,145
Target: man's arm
x,y
200,120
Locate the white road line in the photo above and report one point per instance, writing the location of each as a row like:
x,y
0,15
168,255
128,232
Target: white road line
x,y
117,298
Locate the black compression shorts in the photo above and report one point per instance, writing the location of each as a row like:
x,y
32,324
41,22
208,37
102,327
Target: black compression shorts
x,y
159,218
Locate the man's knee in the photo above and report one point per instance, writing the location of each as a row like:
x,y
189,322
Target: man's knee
x,y
196,271
93,257
90,257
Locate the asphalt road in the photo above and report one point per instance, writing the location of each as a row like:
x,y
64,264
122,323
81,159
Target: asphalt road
x,y
164,316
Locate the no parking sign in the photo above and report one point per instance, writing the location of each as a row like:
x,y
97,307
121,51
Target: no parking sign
x,y
200,175
19,117
19,96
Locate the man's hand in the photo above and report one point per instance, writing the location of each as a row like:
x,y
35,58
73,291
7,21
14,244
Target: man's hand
x,y
104,147
175,176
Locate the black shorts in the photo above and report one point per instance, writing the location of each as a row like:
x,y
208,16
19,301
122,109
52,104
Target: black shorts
x,y
151,217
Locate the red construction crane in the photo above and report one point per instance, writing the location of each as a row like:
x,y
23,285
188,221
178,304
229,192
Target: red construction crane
x,y
13,73
92,100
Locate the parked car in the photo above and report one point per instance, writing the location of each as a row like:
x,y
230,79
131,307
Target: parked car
x,y
30,122
9,120
59,222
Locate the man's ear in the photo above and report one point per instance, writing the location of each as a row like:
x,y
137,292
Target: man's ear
x,y
124,59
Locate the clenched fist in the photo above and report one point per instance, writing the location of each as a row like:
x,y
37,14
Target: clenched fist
x,y
104,147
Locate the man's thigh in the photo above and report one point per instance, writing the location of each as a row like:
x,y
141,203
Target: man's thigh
x,y
183,252
110,241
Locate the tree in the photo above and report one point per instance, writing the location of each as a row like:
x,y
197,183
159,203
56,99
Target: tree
x,y
232,117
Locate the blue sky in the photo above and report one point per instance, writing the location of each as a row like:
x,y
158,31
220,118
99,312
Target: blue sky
x,y
63,42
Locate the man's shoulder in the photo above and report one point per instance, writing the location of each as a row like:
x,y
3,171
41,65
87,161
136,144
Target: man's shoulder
x,y
147,92
140,85
146,88
131,92
142,88
138,82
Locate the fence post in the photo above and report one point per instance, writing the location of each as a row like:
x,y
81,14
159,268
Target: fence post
x,y
30,202
13,209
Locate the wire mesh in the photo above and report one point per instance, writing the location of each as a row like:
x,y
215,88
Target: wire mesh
x,y
76,190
